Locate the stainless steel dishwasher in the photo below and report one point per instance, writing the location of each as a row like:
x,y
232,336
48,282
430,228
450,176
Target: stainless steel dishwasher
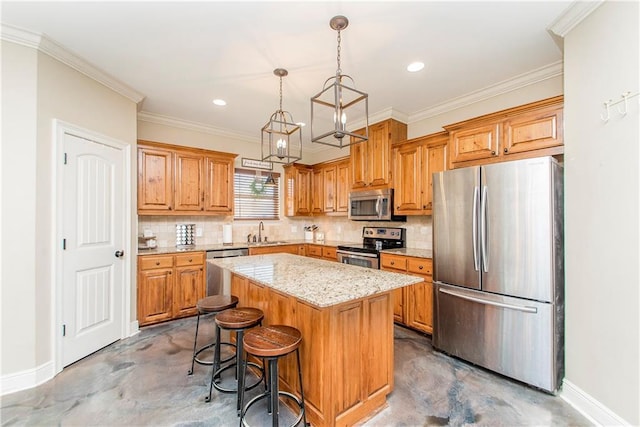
x,y
218,283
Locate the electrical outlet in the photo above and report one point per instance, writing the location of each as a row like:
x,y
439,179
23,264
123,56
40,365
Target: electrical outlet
x,y
198,231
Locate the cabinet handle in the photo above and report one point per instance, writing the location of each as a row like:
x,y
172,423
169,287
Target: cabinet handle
x,y
169,207
157,262
420,268
493,153
506,150
393,263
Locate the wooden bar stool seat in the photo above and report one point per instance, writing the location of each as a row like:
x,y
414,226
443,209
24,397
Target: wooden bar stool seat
x,y
211,305
271,343
237,320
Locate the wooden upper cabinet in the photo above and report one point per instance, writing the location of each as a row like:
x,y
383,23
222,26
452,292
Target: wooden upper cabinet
x,y
219,193
371,160
533,130
155,179
297,196
175,180
475,143
329,189
530,130
317,190
343,186
414,162
189,187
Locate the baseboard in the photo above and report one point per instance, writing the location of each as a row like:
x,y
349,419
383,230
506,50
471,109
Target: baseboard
x,y
134,328
592,409
26,379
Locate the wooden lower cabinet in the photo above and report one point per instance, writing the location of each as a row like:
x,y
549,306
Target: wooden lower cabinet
x,y
322,252
275,249
413,305
346,351
169,286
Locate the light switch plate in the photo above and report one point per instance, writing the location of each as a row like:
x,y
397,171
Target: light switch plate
x,y
198,231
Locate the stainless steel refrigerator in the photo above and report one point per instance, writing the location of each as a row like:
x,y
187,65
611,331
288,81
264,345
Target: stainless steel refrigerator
x,y
498,268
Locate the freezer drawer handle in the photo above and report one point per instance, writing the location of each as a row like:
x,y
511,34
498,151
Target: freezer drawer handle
x,y
526,309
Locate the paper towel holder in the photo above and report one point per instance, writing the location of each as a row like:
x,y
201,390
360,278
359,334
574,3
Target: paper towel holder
x,y
227,235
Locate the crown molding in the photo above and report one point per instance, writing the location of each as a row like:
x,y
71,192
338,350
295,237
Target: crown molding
x,y
55,50
572,16
540,74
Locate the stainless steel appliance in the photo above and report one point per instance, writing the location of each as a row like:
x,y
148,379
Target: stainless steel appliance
x,y
217,283
498,268
374,239
372,205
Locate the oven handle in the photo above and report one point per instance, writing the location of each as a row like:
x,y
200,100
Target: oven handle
x,y
357,255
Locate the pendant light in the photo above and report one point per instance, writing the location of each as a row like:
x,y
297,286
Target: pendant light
x,y
338,104
281,136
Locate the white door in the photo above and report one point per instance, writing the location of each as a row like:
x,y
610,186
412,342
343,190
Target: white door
x,y
92,228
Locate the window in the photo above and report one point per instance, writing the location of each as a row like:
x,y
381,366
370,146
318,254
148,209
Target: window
x,y
253,200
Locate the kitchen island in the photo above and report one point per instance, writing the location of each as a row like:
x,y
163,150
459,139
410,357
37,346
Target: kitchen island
x,y
345,314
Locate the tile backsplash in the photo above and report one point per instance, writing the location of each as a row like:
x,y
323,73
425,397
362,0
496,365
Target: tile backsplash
x,y
209,229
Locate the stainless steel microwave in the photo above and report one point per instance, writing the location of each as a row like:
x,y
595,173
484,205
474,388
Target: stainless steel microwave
x,y
372,205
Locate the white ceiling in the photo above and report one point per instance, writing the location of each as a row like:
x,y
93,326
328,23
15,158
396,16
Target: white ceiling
x,y
182,55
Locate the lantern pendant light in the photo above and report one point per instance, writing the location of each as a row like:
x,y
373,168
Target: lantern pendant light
x,y
281,140
338,105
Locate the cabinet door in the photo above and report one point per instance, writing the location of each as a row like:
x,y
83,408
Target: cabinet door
x,y
155,177
329,253
435,157
329,188
533,130
317,191
408,179
155,296
420,306
378,153
257,296
289,191
189,191
189,287
479,142
398,305
303,192
358,155
343,186
219,185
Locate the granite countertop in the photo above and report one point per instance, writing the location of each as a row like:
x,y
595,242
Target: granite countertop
x,y
418,253
197,248
318,282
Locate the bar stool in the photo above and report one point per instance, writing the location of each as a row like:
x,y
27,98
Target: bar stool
x,y
236,320
271,343
211,305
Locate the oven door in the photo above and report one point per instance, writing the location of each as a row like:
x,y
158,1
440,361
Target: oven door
x,y
359,259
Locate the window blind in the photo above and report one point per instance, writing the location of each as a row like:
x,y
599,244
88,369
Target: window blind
x,y
253,200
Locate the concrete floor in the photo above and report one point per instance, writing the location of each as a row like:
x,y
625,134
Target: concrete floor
x,y
143,381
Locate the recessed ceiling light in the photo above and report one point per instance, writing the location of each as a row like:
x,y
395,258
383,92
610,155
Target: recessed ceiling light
x,y
220,102
415,66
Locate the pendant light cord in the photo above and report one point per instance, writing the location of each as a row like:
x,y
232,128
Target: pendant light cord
x,y
339,71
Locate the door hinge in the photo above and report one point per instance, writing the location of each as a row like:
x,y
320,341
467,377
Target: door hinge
x,y
64,244
64,330
65,158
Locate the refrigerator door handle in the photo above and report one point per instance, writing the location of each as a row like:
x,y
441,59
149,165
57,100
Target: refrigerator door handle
x,y
483,230
474,233
526,309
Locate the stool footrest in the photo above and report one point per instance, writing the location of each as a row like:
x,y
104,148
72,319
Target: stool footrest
x,y
210,362
216,376
267,394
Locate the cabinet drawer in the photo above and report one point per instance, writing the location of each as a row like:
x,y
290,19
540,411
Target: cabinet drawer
x,y
329,252
191,258
397,262
153,262
419,266
314,250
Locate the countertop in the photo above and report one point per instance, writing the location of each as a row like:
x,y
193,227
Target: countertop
x,y
243,245
418,253
317,282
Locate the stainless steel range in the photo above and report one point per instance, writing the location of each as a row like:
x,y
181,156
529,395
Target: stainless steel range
x,y
374,239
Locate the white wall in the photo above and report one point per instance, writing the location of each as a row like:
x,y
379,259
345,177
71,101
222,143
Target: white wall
x,y
601,209
18,192
36,89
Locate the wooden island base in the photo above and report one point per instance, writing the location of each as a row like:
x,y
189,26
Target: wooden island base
x,y
346,351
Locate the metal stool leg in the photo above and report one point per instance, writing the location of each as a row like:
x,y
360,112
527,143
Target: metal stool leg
x,y
274,401
195,343
304,409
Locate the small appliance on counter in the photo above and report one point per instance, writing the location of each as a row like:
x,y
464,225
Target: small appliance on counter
x,y
185,235
147,242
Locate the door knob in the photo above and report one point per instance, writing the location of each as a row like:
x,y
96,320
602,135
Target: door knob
x,y
119,254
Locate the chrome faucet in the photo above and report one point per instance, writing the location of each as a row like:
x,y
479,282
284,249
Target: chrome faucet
x,y
260,229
